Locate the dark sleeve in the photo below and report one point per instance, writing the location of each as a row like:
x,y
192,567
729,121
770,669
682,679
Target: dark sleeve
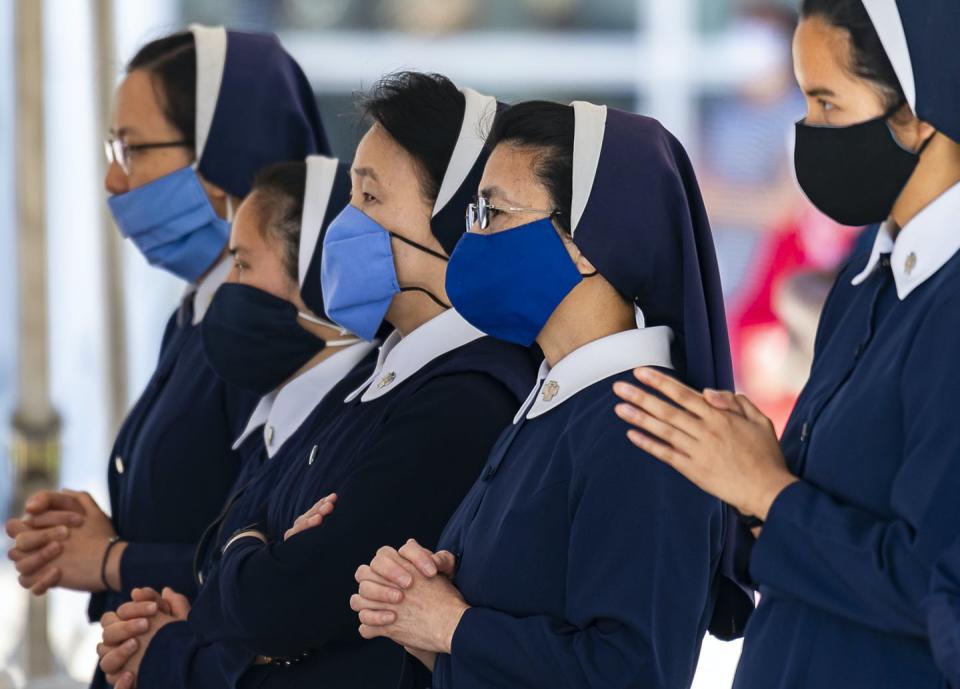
x,y
157,565
943,615
644,547
175,659
870,569
287,597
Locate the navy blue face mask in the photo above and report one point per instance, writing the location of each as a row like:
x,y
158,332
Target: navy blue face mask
x,y
253,339
509,283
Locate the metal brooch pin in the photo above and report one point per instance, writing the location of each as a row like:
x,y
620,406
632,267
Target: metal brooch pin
x,y
550,390
910,263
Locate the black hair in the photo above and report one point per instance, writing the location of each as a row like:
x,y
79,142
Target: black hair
x,y
171,62
549,128
868,56
423,113
280,189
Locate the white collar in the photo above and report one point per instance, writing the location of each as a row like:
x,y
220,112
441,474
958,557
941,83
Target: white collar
x,y
282,411
400,358
922,247
204,290
595,361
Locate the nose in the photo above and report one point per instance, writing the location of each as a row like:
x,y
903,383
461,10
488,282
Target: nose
x,y
115,180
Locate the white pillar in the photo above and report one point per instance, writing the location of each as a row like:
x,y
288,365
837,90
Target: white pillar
x,y
667,70
35,423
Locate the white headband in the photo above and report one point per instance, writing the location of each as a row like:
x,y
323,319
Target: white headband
x,y
477,119
590,121
321,174
211,47
886,20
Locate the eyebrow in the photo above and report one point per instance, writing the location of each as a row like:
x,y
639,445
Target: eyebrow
x,y
366,172
820,91
123,131
495,191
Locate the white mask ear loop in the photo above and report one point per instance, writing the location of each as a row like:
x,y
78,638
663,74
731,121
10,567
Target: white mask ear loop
x,y
229,209
330,343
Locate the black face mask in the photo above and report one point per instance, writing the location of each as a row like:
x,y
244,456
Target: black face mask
x,y
253,340
853,174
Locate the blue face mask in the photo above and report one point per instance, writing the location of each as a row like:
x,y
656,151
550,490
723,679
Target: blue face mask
x,y
171,222
357,272
509,283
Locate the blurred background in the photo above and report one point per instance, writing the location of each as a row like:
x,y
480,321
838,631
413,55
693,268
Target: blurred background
x,y
81,314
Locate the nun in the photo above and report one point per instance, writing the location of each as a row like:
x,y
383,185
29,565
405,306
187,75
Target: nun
x,y
195,118
570,563
266,331
858,499
399,445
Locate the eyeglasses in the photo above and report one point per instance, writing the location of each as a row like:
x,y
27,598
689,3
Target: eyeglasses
x,y
478,212
118,151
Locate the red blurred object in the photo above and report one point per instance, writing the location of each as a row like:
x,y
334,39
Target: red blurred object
x,y
773,320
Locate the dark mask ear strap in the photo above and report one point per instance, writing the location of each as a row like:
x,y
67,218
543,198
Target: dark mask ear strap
x,y
926,143
421,247
428,293
589,275
892,111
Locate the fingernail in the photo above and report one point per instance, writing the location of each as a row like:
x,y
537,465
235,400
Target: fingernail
x,y
130,644
32,502
142,625
62,530
395,596
406,580
644,374
151,607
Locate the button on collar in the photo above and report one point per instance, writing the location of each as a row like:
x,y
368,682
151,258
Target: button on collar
x,y
269,435
386,380
118,464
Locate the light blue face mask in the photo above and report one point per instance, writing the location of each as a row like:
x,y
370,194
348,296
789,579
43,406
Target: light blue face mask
x,y
171,222
357,272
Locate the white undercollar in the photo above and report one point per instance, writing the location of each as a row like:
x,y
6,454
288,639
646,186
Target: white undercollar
x,y
282,411
595,361
921,248
204,290
400,358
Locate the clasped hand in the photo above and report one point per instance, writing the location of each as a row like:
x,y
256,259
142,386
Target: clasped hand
x,y
408,595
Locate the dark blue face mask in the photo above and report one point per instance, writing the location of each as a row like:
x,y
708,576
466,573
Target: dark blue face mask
x,y
509,283
253,339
